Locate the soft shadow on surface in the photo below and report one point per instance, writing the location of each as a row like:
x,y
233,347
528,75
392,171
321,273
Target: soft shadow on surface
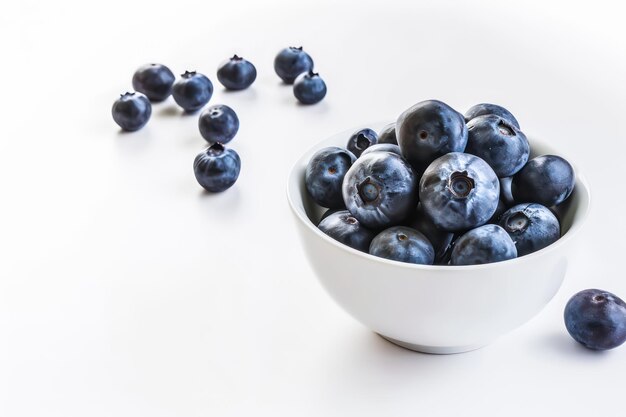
x,y
133,142
170,110
560,343
249,94
228,199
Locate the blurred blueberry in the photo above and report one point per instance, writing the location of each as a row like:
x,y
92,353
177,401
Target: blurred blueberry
x,y
131,111
343,227
217,168
192,91
291,62
401,243
483,245
547,180
484,109
388,134
309,88
531,226
218,123
236,73
324,175
361,140
154,80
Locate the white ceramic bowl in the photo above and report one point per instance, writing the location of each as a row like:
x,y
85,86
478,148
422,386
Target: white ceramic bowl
x,y
435,309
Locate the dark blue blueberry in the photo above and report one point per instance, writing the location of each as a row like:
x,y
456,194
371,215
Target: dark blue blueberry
x,y
483,245
383,147
401,243
309,88
596,319
361,140
428,130
343,227
291,62
505,192
503,146
495,219
484,109
329,212
459,191
324,175
547,180
192,91
531,226
388,134
218,123
380,190
236,73
440,239
217,168
131,111
155,81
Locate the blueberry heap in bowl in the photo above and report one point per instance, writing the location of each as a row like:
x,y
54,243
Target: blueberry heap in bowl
x,y
439,187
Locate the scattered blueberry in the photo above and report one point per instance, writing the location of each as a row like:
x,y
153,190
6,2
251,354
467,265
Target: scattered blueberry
x,y
155,81
192,91
484,109
380,190
596,319
291,62
499,143
361,140
236,73
440,239
131,111
309,88
459,191
388,134
483,245
324,175
383,147
401,243
218,123
217,168
547,180
531,226
428,130
343,227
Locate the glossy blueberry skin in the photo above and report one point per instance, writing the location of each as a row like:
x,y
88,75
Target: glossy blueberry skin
x,y
483,245
192,91
328,213
428,130
484,109
403,244
218,123
155,81
503,146
505,192
380,190
345,228
309,88
459,191
596,319
388,134
547,180
236,73
383,147
324,176
361,140
217,168
131,111
531,226
291,62
440,239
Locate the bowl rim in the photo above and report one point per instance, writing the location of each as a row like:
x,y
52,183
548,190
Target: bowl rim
x,y
581,185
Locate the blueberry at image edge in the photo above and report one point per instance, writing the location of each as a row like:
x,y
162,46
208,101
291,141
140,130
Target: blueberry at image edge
x,y
309,88
291,62
236,73
131,111
218,123
192,91
154,80
217,168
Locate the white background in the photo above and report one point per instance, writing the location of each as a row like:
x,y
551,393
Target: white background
x,y
127,291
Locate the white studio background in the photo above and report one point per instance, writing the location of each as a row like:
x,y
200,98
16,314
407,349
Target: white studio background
x,y
127,291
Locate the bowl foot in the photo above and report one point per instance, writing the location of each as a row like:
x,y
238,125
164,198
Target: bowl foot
x,y
436,350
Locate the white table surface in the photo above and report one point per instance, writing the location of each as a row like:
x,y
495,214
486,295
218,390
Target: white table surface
x,y
127,291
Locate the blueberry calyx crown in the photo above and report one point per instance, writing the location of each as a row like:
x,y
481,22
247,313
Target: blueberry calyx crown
x,y
127,94
351,220
368,191
216,149
296,48
188,74
460,184
423,134
402,237
517,222
362,142
236,58
215,112
505,129
599,298
313,74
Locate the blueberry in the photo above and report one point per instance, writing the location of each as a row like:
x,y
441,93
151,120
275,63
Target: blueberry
x,y
328,213
483,245
401,243
428,130
440,239
383,147
291,62
309,88
596,319
192,91
236,73
388,134
499,143
500,209
218,123
217,168
380,190
484,109
547,180
343,227
531,226
324,175
361,140
459,191
505,191
131,111
155,81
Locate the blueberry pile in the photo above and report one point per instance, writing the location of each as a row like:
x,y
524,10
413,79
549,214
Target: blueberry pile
x,y
439,187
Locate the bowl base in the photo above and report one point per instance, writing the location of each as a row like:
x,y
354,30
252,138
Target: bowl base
x,y
435,350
